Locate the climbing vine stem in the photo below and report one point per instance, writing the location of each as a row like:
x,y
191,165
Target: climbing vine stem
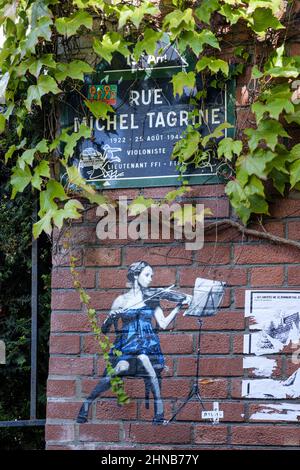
x,y
41,63
106,347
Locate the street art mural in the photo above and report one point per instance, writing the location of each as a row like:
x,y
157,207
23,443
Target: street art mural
x,y
275,324
132,316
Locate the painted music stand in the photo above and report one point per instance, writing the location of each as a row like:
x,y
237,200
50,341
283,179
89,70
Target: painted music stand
x,y
207,297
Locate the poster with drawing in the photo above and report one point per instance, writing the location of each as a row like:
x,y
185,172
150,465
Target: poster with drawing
x,y
274,324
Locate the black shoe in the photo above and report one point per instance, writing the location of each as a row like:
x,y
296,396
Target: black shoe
x,y
159,419
81,419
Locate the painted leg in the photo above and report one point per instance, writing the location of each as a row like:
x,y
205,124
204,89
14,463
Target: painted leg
x,y
101,387
158,404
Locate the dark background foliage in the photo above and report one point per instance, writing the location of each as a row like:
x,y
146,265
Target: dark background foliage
x,y
15,315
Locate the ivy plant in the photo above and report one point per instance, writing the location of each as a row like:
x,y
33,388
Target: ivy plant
x,y
40,64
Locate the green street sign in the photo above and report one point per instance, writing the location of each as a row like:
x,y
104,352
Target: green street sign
x,y
132,147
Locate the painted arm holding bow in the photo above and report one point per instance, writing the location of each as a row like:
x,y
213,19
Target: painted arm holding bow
x,y
151,297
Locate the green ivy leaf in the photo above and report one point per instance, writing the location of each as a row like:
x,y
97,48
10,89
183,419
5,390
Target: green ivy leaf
x,y
217,133
247,199
75,70
274,5
27,157
146,8
124,15
96,4
177,21
53,191
140,204
43,225
10,10
256,73
136,15
148,44
99,109
10,153
286,71
295,152
38,10
72,139
233,15
264,19
238,199
68,26
37,64
294,116
172,195
295,173
70,211
111,42
45,84
84,297
214,65
2,123
268,131
208,37
279,163
258,205
238,51
279,65
197,41
229,147
42,30
74,176
254,164
255,186
274,108
280,180
206,9
184,149
277,100
20,179
94,197
182,80
42,169
9,110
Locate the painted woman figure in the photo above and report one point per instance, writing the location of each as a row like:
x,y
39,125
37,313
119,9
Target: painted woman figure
x,y
137,341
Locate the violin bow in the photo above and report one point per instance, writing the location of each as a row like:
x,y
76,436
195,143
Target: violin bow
x,y
164,289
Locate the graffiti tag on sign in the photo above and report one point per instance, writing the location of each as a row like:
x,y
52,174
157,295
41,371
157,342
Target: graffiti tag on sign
x,y
105,93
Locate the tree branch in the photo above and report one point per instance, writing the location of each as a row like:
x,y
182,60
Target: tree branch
x,y
256,233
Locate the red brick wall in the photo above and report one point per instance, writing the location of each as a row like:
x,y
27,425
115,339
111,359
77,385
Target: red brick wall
x,y
75,365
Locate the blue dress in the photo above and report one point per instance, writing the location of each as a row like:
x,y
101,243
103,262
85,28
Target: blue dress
x,y
137,337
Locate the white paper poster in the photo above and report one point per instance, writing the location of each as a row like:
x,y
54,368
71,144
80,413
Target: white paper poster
x,y
274,324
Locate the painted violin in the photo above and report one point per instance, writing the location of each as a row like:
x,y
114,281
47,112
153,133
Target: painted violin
x,y
151,297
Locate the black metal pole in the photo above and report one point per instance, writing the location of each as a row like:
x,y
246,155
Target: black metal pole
x,y
34,313
198,351
22,423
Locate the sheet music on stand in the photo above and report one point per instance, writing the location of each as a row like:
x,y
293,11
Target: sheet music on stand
x,y
208,295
